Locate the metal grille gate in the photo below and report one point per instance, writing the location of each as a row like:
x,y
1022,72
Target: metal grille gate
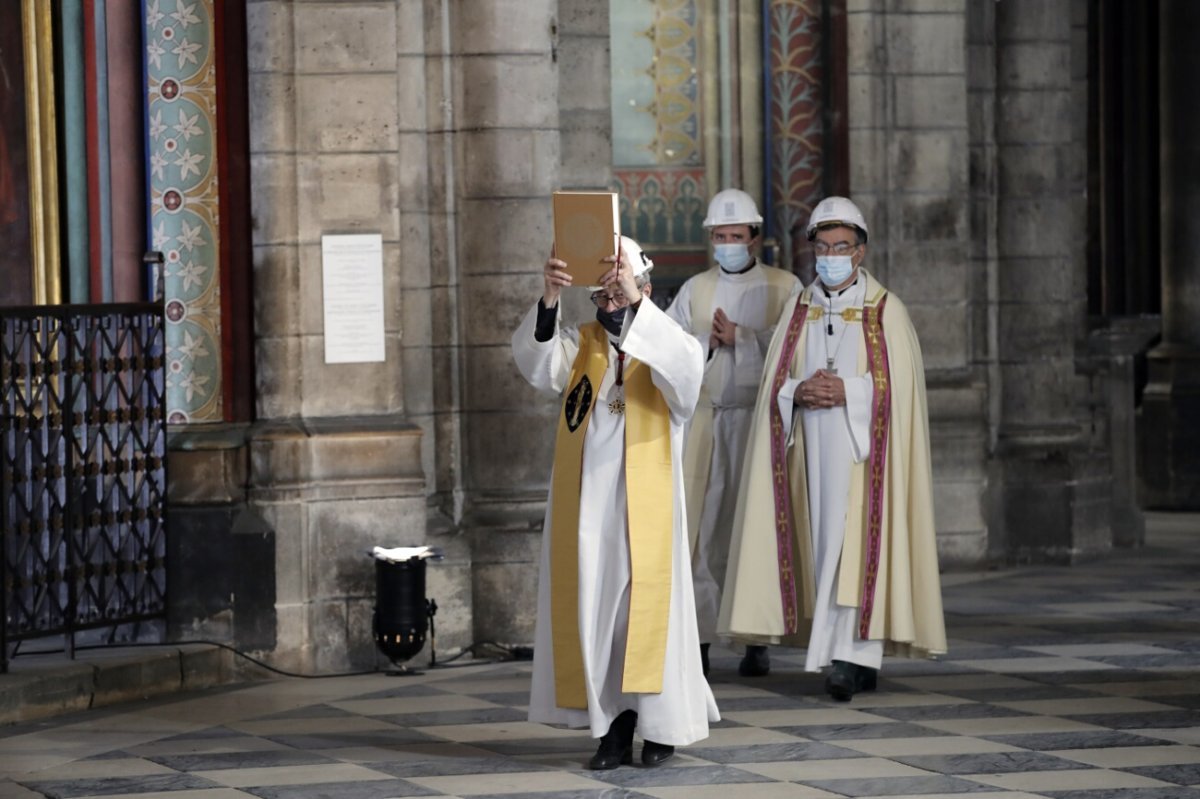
x,y
82,471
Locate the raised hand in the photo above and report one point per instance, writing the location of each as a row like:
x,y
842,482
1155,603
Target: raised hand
x,y
554,277
621,277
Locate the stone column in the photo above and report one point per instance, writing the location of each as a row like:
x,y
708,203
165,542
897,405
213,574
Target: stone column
x,y
1171,437
335,463
506,151
1115,346
910,174
1052,489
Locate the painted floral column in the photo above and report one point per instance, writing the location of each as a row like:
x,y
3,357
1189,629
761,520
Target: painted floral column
x,y
794,116
182,169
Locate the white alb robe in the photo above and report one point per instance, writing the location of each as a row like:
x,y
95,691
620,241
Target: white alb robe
x,y
835,438
731,378
681,713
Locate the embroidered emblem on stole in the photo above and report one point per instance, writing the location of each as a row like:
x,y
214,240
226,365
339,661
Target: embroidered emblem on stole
x,y
577,404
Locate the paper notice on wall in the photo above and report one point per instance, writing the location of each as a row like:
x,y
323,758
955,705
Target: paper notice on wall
x,y
352,282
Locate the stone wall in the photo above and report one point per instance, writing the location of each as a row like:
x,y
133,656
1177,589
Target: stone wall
x,y
506,85
336,465
911,142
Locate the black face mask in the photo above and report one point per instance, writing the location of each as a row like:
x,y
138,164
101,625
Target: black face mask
x,y
612,320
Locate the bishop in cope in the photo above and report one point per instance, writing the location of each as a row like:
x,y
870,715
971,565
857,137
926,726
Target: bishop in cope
x,y
834,547
616,648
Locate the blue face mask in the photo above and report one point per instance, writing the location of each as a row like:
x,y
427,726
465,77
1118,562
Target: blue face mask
x,y
834,269
732,257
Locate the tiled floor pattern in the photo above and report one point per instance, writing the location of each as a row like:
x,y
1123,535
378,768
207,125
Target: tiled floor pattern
x,y
1064,683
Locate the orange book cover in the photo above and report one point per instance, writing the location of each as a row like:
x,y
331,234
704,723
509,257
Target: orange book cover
x,y
587,225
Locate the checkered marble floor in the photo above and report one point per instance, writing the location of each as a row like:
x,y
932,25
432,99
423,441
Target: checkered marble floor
x,y
1060,682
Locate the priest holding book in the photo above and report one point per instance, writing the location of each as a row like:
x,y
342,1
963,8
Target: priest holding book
x,y
616,648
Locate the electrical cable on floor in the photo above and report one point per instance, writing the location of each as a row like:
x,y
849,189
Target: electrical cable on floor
x,y
513,652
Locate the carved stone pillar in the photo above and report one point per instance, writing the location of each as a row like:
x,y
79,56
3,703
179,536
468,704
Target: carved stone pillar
x,y
1171,437
1053,484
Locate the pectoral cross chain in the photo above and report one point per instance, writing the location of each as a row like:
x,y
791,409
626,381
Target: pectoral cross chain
x,y
617,406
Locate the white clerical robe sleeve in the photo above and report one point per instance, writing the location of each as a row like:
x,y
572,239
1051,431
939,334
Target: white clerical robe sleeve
x,y
767,333
786,400
673,355
680,310
545,364
748,351
859,393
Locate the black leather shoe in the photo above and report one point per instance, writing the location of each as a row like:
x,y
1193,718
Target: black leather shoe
x,y
755,663
704,658
840,682
847,679
616,747
654,754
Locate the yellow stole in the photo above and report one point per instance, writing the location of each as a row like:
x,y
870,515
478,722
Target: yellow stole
x,y
649,492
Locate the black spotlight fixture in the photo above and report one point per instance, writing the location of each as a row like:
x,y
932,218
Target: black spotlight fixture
x,y
403,615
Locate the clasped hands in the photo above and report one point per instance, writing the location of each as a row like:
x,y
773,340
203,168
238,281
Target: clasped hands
x,y
823,390
616,281
723,330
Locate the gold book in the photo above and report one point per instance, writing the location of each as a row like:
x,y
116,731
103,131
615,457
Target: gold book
x,y
587,226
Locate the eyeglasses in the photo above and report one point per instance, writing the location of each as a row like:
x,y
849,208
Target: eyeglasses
x,y
602,300
841,248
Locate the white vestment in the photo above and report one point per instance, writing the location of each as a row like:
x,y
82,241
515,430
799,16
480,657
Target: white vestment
x,y
835,438
731,379
876,499
680,714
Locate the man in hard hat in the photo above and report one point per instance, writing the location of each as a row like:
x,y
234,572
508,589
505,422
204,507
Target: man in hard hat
x,y
615,641
833,542
731,309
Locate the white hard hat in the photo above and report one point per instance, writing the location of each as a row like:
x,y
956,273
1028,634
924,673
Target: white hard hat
x,y
732,207
836,210
637,258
